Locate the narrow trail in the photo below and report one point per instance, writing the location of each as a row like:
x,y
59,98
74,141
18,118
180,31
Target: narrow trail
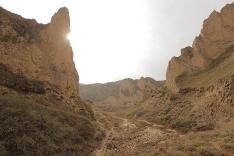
x,y
134,138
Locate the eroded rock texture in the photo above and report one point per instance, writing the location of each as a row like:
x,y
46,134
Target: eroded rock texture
x,y
214,44
40,52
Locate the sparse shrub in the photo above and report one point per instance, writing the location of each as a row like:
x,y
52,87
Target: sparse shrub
x,y
207,153
29,129
184,126
228,147
19,82
204,127
3,151
165,114
166,117
173,97
130,114
125,92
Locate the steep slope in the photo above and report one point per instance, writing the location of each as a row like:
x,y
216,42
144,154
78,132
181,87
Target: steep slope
x,y
40,109
202,116
119,96
202,78
211,52
39,51
194,113
192,108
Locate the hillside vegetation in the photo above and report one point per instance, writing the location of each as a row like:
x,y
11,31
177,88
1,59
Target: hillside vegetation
x,y
41,113
120,96
30,129
220,67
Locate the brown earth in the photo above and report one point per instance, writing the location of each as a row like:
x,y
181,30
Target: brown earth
x,y
194,108
41,112
116,97
211,52
39,51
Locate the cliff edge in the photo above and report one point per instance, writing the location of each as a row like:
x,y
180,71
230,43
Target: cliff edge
x,y
38,51
41,112
211,51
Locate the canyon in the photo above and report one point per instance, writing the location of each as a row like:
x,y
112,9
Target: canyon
x,y
45,111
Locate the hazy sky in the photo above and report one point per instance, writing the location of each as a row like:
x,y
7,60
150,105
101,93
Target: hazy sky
x,y
116,39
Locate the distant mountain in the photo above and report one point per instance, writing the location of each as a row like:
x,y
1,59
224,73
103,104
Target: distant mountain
x,y
197,100
199,92
41,112
120,95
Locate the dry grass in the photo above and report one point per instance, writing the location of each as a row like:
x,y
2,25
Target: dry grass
x,y
30,129
19,82
221,67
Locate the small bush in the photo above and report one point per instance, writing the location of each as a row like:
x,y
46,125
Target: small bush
x,y
204,127
29,129
165,115
19,82
228,147
173,97
207,153
184,126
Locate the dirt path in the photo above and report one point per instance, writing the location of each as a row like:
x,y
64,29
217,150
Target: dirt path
x,y
134,138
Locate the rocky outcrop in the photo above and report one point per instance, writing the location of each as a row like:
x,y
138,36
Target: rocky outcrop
x,y
39,52
215,40
39,90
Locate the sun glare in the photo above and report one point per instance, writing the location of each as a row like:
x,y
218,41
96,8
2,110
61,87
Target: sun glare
x,y
69,37
109,44
116,39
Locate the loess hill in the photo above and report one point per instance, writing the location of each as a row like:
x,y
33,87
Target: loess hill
x,y
41,112
117,97
197,99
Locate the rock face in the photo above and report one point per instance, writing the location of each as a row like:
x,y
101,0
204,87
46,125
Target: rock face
x,y
209,48
39,51
39,90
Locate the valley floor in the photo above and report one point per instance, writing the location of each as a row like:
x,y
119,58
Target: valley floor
x,y
137,137
141,138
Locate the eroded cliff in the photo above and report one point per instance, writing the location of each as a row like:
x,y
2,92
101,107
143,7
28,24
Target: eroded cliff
x,y
39,51
41,112
211,50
